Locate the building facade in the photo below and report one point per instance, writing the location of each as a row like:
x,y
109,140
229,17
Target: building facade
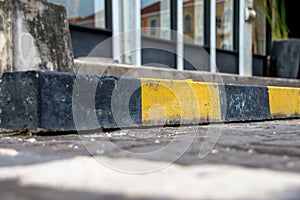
x,y
219,27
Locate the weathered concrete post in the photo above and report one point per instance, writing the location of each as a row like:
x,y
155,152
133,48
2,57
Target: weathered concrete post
x,y
34,35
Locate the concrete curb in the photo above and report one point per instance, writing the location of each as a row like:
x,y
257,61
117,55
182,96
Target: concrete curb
x,y
107,67
58,100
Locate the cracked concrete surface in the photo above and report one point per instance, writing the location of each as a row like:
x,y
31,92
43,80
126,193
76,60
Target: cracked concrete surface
x,y
262,156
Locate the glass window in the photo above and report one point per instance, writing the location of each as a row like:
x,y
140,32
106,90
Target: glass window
x,y
259,30
188,23
85,12
224,23
153,25
193,19
156,14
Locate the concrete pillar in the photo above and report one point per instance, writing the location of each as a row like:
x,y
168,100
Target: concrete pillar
x,y
180,37
245,38
127,31
116,26
213,54
34,35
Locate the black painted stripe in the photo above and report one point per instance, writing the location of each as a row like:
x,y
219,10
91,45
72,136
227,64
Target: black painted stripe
x,y
18,100
46,100
244,103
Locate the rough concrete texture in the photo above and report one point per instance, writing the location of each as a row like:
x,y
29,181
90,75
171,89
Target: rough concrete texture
x,y
244,103
34,35
37,99
249,161
68,101
108,67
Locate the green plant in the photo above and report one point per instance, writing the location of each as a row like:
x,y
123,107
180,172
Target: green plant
x,y
276,16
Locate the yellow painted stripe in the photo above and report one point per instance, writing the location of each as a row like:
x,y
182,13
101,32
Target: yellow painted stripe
x,y
284,102
169,101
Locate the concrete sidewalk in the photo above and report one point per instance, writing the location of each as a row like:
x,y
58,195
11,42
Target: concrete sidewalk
x,y
86,175
250,161
108,67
